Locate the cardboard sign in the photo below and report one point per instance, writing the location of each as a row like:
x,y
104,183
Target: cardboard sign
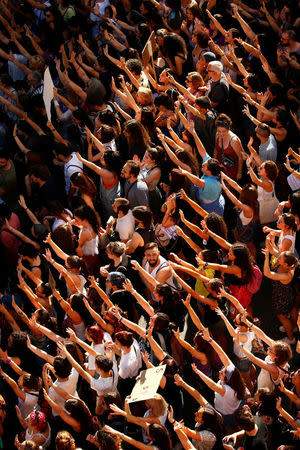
x,y
147,384
48,92
147,52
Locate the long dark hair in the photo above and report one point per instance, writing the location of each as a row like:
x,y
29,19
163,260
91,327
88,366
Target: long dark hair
x,y
237,383
77,304
201,345
243,260
216,224
159,436
80,412
84,212
113,161
211,421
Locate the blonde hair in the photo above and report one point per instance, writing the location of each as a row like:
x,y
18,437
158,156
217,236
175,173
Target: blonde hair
x,y
64,441
158,405
196,79
37,62
145,94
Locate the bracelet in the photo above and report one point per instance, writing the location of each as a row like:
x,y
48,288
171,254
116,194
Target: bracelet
x,y
210,340
205,265
133,292
172,423
8,361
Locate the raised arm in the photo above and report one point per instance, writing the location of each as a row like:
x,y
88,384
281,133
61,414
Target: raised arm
x,y
179,381
64,352
139,298
199,210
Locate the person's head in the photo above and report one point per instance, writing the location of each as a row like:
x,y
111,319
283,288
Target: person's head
x,y
216,224
208,419
249,196
159,436
17,343
81,118
280,352
296,378
214,286
214,70
152,253
85,185
143,216
231,34
153,156
95,334
173,44
28,444
103,363
111,160
80,412
73,263
203,104
194,80
135,67
201,39
62,367
77,304
106,441
163,102
121,206
244,418
130,170
64,441
201,346
105,134
115,280
145,115
269,170
85,215
37,63
124,339
38,420
287,222
115,249
65,239
223,124
28,251
62,152
281,118
288,260
39,174
231,376
164,293
34,78
157,405
144,96
288,37
189,159
136,134
161,322
251,82
240,256
262,131
30,382
211,167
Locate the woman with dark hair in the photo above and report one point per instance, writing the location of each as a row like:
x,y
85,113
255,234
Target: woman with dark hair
x,y
175,53
230,391
165,106
169,303
85,188
151,174
145,115
65,239
267,200
130,361
110,187
247,208
228,148
158,437
137,138
243,277
77,415
144,233
86,219
283,291
51,30
58,214
286,235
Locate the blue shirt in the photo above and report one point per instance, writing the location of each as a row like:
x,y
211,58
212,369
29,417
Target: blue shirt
x,y
212,188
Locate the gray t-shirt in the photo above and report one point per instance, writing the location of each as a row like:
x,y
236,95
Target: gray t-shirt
x,y
136,193
268,150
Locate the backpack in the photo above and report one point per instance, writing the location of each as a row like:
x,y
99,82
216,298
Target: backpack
x,y
255,282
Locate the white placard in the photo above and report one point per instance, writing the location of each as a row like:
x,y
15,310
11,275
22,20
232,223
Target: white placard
x,y
147,384
48,92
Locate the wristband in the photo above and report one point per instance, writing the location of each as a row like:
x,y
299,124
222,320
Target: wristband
x,y
172,423
56,103
210,340
205,265
8,361
133,292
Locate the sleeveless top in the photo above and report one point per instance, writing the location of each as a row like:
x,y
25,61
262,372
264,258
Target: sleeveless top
x,y
90,248
287,236
153,272
228,151
263,194
265,379
33,435
148,235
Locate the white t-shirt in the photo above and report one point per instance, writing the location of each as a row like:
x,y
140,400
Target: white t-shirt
x,y
162,420
69,386
226,404
72,166
103,385
131,362
247,345
27,406
100,349
125,226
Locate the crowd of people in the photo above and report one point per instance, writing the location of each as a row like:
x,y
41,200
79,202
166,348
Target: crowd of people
x,y
149,217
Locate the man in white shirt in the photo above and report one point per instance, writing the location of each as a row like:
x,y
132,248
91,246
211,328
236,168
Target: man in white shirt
x,y
125,222
70,161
